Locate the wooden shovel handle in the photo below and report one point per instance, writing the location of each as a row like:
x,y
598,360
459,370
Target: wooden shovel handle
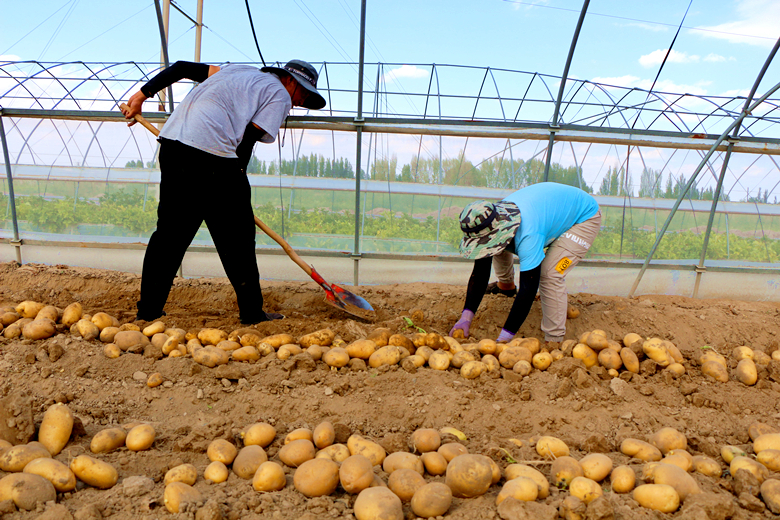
x,y
141,119
282,242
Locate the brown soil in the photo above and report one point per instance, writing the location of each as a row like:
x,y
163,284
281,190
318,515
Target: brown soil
x,y
589,410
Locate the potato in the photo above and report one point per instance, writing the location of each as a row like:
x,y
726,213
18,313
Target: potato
x,y
179,497
72,314
668,439
451,450
246,354
336,357
424,352
222,451
248,460
585,354
676,369
15,458
596,466
678,478
756,468
388,355
186,473
403,460
56,428
511,355
153,328
532,344
769,458
399,340
461,358
514,471
297,434
622,479
542,360
520,488
640,449
585,489
107,440
431,500
140,437
86,329
316,477
107,334
711,355
371,450
356,474
335,452
715,370
323,338
673,351
655,349
424,440
491,363
679,458
469,475
103,320
551,447
435,463
129,326
40,328
756,429
26,490
296,452
630,361
324,435
210,356
523,368
770,494
660,497
130,338
29,309
610,359
706,466
729,452
269,477
216,472
746,372
94,472
277,340
380,336
630,338
60,475
154,380
175,332
288,350
597,342
405,482
378,503
473,369
12,331
563,470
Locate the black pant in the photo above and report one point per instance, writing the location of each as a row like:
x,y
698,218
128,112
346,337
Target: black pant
x,y
198,186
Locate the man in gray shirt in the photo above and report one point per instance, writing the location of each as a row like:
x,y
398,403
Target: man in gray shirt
x,y
205,147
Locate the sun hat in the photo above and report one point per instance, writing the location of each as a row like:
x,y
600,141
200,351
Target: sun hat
x,y
306,76
488,227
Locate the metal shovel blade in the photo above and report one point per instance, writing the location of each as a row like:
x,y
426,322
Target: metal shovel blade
x,y
343,299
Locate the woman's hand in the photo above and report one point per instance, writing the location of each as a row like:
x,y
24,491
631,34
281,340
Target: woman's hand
x,y
134,107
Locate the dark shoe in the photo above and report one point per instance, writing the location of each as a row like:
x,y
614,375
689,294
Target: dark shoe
x,y
150,317
493,288
266,316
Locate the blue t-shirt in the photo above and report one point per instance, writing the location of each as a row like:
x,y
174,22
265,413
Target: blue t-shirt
x,y
214,115
547,210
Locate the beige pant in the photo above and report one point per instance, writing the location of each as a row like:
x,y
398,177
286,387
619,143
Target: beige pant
x,y
562,255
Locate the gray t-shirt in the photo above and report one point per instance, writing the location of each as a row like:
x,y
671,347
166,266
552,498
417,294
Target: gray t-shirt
x,y
214,115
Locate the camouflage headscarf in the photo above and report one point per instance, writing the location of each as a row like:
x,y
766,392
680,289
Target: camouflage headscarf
x,y
488,227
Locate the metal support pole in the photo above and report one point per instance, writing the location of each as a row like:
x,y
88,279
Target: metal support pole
x,y
359,124
17,242
554,124
198,30
162,22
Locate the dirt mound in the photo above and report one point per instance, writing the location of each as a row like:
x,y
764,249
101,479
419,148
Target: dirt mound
x,y
587,409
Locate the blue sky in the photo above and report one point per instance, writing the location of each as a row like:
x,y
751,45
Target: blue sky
x,y
719,51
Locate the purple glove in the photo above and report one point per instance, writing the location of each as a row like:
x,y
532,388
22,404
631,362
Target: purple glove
x,y
463,323
505,336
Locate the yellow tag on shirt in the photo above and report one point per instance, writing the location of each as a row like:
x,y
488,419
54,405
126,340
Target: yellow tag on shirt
x,y
563,265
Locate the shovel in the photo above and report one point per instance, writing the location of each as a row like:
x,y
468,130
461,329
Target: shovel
x,y
335,295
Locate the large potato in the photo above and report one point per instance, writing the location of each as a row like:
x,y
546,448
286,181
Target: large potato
x,y
424,440
297,434
216,472
29,309
140,437
715,370
472,369
324,435
378,503
261,434
103,320
26,490
655,349
640,449
707,466
388,355
431,500
39,328
154,328
565,469
439,360
361,349
746,372
128,339
86,329
72,314
405,482
585,354
756,468
179,497
107,335
371,450
222,451
186,473
60,475
551,447
56,428
15,458
248,461
767,441
94,472
356,474
434,462
402,460
520,488
660,497
450,450
680,458
511,355
668,439
596,466
269,477
770,494
585,489
297,452
277,340
629,359
336,357
107,440
623,479
469,475
769,458
211,356
323,338
674,476
514,471
246,354
757,429
316,477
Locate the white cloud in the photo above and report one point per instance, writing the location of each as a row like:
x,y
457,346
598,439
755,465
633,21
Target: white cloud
x,y
716,58
646,26
657,57
753,18
661,86
405,71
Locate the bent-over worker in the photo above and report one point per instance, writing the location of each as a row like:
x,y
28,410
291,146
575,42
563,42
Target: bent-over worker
x,y
561,218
